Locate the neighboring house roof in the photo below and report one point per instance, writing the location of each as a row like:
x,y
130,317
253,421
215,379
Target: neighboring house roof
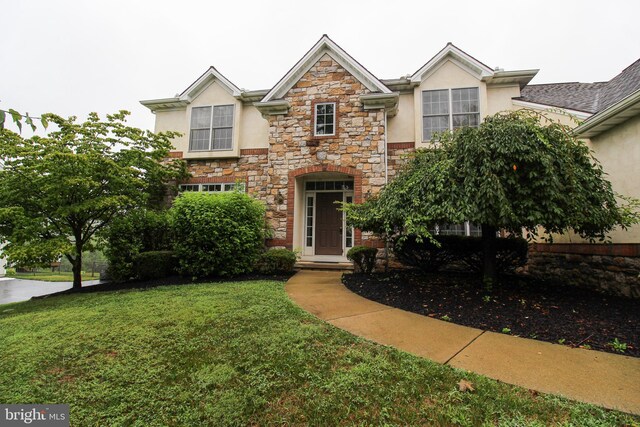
x,y
575,96
611,116
622,85
325,46
610,102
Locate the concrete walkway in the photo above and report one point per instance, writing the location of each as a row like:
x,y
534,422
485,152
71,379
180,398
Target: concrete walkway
x,y
16,290
608,380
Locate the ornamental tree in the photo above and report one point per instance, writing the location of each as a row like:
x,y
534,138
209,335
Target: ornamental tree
x,y
518,172
57,191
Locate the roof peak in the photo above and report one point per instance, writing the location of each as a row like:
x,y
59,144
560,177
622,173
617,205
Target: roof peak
x,y
325,45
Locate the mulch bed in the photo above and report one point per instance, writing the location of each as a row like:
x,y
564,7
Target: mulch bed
x,y
529,309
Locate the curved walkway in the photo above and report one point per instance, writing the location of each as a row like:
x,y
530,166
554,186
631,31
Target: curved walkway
x,y
604,379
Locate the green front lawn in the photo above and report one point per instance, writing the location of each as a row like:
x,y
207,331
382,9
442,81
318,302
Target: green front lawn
x,y
52,277
239,354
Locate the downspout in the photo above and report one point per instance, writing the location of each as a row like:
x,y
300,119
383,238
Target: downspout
x,y
386,181
386,163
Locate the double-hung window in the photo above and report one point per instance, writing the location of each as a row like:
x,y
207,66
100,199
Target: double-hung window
x,y
211,128
324,116
449,109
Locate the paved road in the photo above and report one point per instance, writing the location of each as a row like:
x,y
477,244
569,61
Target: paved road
x,y
15,290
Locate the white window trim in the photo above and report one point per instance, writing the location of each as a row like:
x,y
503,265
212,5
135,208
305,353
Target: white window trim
x,y
211,128
315,119
467,230
222,186
451,114
310,250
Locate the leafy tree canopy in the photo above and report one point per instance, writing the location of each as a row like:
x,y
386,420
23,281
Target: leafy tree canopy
x,y
57,191
517,170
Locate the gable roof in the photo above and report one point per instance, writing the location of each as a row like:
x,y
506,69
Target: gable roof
x,y
325,46
451,51
205,80
183,99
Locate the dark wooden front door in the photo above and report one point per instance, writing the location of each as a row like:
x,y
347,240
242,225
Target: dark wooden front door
x,y
328,224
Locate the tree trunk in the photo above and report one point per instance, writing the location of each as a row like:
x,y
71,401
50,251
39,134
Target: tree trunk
x,y
489,272
386,253
76,267
76,264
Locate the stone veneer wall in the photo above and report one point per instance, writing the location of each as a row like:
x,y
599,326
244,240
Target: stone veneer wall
x,y
251,167
398,156
357,149
358,144
613,269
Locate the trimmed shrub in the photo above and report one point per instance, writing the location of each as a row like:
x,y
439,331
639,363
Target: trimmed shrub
x,y
422,253
154,265
511,253
363,257
138,231
276,261
217,234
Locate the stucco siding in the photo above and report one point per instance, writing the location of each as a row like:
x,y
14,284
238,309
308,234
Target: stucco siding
x,y
618,150
254,129
500,99
401,127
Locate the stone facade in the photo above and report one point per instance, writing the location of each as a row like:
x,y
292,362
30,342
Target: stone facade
x,y
613,269
398,155
357,149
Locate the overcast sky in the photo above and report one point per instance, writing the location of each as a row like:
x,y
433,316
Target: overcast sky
x,y
73,57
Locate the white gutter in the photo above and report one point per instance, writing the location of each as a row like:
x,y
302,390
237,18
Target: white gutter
x,y
590,127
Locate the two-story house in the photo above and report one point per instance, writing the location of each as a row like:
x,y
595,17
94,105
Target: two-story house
x,y
328,131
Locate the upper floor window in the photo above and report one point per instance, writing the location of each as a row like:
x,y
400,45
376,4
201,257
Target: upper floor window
x,y
325,119
449,109
211,128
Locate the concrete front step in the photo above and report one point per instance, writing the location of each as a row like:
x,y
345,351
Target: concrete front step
x,y
315,265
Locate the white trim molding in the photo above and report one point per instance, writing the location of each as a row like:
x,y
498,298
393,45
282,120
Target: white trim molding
x,y
325,46
535,106
196,88
610,117
450,51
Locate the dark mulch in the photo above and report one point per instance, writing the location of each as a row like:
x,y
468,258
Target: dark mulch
x,y
543,311
166,281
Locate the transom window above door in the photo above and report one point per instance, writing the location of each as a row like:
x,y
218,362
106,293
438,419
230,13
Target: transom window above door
x,y
324,119
449,109
211,128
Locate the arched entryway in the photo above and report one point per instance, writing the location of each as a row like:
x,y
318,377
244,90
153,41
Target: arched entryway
x,y
315,225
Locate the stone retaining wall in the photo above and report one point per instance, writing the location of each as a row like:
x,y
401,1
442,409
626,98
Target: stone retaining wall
x,y
614,269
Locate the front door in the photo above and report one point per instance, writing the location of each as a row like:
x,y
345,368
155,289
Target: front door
x,y
328,224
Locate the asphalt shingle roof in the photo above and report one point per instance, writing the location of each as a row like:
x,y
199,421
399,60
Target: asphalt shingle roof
x,y
587,97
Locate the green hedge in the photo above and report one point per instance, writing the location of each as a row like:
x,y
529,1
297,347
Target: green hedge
x,y
276,261
138,231
425,255
217,234
154,265
363,257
